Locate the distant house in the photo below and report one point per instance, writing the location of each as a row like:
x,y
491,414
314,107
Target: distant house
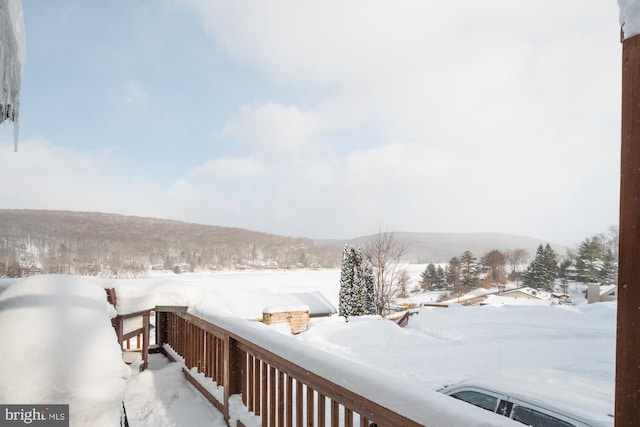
x,y
296,316
319,305
571,273
296,309
598,293
526,293
520,296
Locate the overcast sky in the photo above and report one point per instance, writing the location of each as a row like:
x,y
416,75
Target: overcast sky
x,y
328,119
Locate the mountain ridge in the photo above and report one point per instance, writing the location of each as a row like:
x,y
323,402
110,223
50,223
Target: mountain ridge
x,y
432,247
106,243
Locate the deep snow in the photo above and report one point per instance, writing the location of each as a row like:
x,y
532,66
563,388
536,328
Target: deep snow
x,y
57,346
630,17
438,347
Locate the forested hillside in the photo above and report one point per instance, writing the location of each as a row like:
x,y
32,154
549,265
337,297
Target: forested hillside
x,y
424,248
39,241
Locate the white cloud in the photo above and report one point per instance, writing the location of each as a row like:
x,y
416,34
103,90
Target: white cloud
x,y
134,94
227,169
45,176
272,127
493,115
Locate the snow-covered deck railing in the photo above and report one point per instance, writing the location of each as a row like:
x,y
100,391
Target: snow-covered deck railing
x,y
134,325
256,376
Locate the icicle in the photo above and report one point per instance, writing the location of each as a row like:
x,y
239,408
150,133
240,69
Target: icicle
x,y
16,127
12,60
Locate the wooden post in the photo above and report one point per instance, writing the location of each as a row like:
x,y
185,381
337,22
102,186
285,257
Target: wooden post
x,y
145,340
161,328
233,358
627,399
119,322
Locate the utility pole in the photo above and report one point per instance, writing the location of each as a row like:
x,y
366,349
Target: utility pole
x,y
627,399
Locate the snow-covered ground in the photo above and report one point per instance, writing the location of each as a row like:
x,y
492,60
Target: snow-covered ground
x,y
439,346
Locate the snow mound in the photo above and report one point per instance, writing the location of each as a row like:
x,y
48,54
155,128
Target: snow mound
x,y
630,17
57,346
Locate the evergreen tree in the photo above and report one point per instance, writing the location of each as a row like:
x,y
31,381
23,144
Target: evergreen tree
x,y
426,277
469,270
369,286
358,287
550,268
542,271
609,272
532,277
346,282
353,293
596,261
439,279
453,274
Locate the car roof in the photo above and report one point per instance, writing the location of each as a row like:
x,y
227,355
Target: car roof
x,y
589,399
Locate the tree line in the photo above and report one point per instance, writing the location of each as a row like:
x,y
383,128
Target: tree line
x,y
594,261
107,245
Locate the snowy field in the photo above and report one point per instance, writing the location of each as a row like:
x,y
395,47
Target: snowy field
x,y
568,348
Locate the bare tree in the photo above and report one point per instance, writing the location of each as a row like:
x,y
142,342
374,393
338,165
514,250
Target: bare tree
x,y
496,261
385,254
516,258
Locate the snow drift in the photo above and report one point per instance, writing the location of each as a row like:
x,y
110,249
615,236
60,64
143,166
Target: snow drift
x,y
57,346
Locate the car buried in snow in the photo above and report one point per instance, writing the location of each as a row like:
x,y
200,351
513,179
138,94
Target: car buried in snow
x,y
540,400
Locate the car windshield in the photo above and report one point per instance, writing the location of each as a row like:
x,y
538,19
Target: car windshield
x,y
536,418
477,398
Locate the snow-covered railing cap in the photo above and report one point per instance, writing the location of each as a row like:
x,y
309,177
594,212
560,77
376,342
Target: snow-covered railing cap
x,y
13,55
629,17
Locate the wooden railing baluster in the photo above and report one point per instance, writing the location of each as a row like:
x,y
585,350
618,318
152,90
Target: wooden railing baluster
x,y
335,414
289,402
272,396
280,393
348,417
310,407
321,410
299,404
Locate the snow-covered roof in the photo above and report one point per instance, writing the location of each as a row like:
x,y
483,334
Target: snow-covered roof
x,y
607,289
284,308
534,293
498,300
141,294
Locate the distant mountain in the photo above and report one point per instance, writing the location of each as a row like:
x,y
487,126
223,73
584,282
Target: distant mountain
x,y
441,247
91,243
117,245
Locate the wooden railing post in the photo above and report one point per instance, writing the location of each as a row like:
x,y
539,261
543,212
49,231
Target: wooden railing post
x,y
627,398
119,325
145,340
161,328
232,380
